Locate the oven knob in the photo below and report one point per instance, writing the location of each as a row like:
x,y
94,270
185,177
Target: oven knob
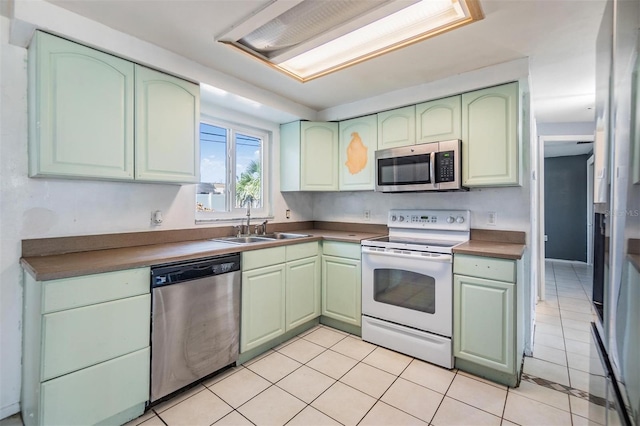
x,y
401,218
393,218
460,219
450,219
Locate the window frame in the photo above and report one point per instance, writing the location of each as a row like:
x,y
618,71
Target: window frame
x,y
237,213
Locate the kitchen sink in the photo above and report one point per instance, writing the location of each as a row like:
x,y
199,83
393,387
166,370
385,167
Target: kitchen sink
x,y
245,240
261,238
284,235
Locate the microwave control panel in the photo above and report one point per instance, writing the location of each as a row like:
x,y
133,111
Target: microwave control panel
x,y
445,168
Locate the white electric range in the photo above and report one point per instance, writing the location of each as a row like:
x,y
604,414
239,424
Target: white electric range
x,y
407,283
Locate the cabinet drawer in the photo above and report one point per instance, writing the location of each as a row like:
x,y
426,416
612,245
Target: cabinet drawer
x,y
265,257
300,251
485,267
87,290
96,393
340,249
100,332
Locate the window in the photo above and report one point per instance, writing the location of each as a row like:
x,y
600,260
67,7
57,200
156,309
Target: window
x,y
233,172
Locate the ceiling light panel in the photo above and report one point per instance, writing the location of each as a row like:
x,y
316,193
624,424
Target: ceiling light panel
x,y
316,37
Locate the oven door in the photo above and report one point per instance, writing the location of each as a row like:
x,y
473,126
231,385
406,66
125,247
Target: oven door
x,y
408,288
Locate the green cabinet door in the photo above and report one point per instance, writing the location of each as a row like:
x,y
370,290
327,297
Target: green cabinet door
x,y
98,393
484,322
439,120
358,144
319,156
167,117
80,110
397,127
303,291
263,306
490,152
341,289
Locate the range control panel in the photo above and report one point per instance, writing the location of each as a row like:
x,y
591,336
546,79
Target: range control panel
x,y
454,220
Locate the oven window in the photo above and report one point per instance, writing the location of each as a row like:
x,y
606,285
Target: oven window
x,y
404,170
405,289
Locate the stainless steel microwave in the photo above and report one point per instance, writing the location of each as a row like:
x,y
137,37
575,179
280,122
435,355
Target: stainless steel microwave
x,y
431,166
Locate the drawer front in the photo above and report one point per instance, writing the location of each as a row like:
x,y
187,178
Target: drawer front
x,y
94,394
300,251
79,338
485,267
340,249
87,290
265,257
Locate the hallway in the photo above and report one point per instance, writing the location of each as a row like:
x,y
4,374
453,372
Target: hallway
x,y
564,357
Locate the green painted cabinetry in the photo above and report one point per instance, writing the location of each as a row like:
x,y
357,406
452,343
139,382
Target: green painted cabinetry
x,y
439,120
280,290
341,282
309,156
397,127
166,123
96,116
263,305
358,144
485,323
490,151
86,348
81,111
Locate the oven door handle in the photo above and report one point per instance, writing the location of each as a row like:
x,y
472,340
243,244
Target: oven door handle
x,y
427,257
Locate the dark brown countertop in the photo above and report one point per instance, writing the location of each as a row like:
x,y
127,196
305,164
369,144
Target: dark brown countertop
x,y
500,244
67,265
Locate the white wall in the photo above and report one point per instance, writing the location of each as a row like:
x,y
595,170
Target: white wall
x,y
37,208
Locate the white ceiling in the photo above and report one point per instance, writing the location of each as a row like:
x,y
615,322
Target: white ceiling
x,y
558,36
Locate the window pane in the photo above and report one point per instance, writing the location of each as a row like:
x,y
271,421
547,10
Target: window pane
x,y
248,170
211,193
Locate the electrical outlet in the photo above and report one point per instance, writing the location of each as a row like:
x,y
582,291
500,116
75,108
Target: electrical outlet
x,y
492,218
156,217
288,214
367,215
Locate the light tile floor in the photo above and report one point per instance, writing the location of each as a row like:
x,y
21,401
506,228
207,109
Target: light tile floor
x,y
326,377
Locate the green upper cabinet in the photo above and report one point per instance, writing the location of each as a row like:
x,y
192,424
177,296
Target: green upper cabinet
x,y
167,116
397,127
96,116
358,143
490,152
309,156
81,109
439,120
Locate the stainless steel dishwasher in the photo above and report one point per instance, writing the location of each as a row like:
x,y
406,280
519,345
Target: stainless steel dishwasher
x,y
195,321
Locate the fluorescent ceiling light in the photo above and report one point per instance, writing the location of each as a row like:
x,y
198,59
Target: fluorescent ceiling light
x,y
316,37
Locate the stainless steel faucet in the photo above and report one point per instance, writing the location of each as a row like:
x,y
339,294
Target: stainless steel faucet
x,y
248,215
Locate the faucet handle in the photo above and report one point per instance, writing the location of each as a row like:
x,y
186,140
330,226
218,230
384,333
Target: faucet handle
x,y
264,227
237,230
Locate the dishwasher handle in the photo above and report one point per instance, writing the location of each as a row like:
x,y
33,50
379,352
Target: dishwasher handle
x,y
175,273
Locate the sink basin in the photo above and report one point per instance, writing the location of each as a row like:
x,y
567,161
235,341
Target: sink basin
x,y
285,235
245,240
261,238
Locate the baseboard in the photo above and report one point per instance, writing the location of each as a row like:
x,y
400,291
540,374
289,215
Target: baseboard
x,y
579,262
9,410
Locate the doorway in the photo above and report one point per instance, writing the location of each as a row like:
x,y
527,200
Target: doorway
x,y
560,145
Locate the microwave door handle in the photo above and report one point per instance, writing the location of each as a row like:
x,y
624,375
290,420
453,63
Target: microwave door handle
x,y
432,167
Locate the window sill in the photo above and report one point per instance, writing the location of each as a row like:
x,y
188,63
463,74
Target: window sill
x,y
231,220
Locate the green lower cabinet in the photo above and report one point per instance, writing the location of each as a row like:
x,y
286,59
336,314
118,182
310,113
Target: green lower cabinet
x,y
341,289
86,348
94,394
263,306
484,323
303,291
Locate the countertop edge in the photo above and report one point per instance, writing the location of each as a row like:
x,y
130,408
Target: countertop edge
x,y
53,267
498,250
